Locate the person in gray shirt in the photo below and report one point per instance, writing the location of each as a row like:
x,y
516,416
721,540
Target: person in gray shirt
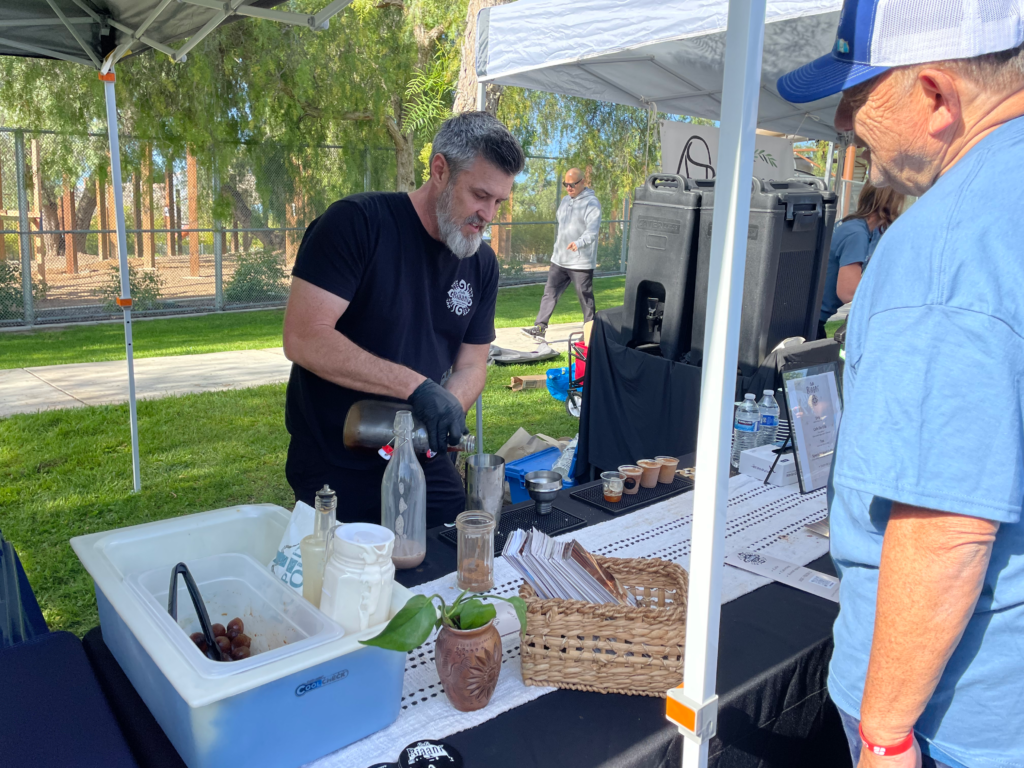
x,y
575,253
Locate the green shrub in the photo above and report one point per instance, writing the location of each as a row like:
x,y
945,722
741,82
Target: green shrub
x,y
259,277
12,303
144,286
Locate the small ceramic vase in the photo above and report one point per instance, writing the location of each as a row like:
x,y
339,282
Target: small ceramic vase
x,y
468,663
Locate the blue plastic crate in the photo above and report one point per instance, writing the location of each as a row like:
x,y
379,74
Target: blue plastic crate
x,y
516,471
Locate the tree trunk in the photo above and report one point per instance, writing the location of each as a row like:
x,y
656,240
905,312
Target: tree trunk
x,y
405,152
272,241
465,95
84,211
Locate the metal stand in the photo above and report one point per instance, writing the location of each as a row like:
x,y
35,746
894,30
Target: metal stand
x,y
779,452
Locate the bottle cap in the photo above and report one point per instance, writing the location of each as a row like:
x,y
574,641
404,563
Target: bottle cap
x,y
749,396
769,392
326,499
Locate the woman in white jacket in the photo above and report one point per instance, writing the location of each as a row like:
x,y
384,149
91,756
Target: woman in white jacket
x,y
575,253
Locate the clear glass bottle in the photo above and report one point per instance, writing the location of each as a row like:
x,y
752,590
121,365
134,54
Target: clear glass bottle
x,y
403,497
369,425
476,551
314,546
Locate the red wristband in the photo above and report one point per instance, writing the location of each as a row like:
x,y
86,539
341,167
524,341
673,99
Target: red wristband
x,y
895,749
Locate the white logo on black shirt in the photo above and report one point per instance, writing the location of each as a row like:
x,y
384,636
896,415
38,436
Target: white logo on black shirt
x,y
460,297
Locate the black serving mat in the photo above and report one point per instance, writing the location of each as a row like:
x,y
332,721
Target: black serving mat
x,y
594,495
525,518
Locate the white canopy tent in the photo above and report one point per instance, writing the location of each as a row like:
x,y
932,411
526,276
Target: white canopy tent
x,y
99,33
708,58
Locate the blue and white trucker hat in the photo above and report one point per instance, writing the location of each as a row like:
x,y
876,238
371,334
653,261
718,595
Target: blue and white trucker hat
x,y
875,35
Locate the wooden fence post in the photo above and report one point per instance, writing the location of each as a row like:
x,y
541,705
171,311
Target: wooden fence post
x,y
193,214
148,238
172,240
37,247
101,204
68,214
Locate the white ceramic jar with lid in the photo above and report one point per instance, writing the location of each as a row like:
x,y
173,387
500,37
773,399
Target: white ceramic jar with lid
x,y
359,576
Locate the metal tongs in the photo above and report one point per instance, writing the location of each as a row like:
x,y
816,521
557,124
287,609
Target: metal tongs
x,y
212,649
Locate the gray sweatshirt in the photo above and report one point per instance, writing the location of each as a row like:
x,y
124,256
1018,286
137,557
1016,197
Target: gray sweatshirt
x,y
579,221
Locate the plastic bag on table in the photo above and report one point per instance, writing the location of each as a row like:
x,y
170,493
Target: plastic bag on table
x,y
287,563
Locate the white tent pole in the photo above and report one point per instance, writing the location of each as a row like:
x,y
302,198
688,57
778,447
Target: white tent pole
x,y
828,163
744,43
481,104
125,302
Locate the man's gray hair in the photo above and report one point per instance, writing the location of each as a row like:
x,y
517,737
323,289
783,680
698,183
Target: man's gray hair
x,y
1002,72
469,135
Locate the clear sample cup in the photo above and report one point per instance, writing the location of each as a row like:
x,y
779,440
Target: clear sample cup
x,y
668,468
650,470
476,551
612,483
632,482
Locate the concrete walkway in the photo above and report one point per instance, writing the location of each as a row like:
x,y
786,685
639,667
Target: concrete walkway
x,y
30,390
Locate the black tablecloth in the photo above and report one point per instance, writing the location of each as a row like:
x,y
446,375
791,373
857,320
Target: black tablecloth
x,y
635,404
774,710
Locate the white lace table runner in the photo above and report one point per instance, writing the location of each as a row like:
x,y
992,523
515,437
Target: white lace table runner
x,y
760,518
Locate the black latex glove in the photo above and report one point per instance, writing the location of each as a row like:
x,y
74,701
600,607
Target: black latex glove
x,y
441,413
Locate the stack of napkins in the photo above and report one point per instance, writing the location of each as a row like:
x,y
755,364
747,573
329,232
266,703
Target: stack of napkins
x,y
562,569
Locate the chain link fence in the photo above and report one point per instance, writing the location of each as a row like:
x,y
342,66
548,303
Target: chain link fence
x,y
212,230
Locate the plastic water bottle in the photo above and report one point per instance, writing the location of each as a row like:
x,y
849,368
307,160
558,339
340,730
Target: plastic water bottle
x,y
769,419
745,428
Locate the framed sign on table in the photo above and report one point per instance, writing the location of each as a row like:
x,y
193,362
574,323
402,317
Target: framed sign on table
x,y
814,397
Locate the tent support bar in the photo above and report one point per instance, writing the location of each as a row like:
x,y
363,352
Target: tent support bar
x,y
481,105
828,163
122,253
284,17
46,22
45,52
198,37
156,46
744,43
74,33
329,11
86,7
640,102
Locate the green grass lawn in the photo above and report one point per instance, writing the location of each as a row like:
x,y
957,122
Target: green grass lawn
x,y
68,473
220,332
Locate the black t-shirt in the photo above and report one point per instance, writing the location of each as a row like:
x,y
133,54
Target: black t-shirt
x,y
412,301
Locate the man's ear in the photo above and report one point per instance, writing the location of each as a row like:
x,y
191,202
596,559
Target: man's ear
x,y
939,88
439,169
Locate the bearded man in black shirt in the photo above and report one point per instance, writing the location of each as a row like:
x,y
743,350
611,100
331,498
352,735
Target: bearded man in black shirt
x,y
390,291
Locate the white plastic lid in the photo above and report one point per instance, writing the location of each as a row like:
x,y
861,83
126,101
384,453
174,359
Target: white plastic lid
x,y
769,392
749,396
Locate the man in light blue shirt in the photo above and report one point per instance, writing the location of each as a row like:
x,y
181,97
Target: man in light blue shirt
x,y
928,480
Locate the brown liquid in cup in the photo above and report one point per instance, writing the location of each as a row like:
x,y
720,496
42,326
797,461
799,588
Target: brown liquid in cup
x,y
612,498
668,468
631,484
651,469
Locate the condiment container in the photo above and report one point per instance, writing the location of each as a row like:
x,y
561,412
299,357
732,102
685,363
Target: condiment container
x,y
359,576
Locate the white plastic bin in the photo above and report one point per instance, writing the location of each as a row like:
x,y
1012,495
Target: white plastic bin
x,y
279,714
279,622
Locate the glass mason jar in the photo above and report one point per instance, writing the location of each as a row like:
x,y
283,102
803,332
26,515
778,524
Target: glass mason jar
x,y
476,551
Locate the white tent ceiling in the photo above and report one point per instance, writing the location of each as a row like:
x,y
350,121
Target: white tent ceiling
x,y
666,53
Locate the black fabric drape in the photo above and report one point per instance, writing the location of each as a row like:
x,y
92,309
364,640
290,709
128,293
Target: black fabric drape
x,y
635,405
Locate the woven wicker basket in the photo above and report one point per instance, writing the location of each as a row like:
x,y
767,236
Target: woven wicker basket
x,y
610,648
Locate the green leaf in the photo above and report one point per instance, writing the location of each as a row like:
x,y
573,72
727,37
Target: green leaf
x,y
475,614
409,628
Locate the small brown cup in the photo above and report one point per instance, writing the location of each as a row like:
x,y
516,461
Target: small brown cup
x,y
632,482
668,468
650,469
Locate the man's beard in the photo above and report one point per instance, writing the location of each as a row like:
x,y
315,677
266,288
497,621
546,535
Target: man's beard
x,y
451,229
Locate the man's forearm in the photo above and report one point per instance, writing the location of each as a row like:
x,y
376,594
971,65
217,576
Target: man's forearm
x,y
467,384
334,357
932,570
